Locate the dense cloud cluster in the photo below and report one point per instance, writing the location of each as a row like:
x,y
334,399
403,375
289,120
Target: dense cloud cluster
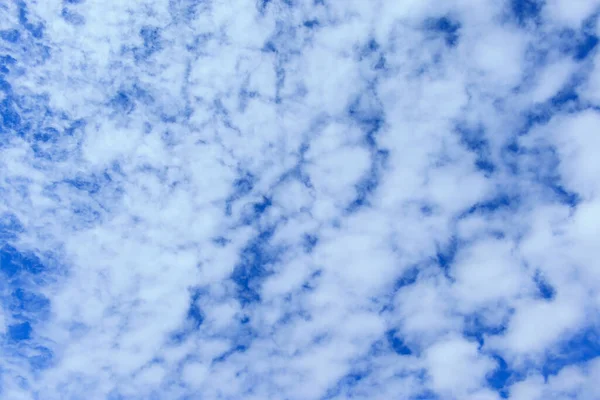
x,y
299,199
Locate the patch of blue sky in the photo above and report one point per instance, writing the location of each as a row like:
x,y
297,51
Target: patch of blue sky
x,y
576,350
25,306
255,264
10,227
446,28
526,11
36,29
14,262
10,35
72,17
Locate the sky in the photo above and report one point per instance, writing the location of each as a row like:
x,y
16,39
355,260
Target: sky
x,y
299,199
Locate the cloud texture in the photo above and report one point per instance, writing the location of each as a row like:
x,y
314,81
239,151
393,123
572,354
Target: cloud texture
x,y
299,199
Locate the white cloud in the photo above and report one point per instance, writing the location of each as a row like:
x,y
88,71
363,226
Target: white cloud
x,y
591,90
571,14
425,311
195,374
456,367
571,382
531,332
551,80
574,138
489,275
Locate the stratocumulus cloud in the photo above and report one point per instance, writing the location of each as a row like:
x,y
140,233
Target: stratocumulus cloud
x,y
299,199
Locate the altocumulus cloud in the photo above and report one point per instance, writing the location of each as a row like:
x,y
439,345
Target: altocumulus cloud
x,y
299,199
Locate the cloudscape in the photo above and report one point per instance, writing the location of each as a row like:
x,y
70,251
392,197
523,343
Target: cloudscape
x,y
299,199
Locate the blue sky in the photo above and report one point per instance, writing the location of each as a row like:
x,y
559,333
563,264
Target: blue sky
x,y
299,199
